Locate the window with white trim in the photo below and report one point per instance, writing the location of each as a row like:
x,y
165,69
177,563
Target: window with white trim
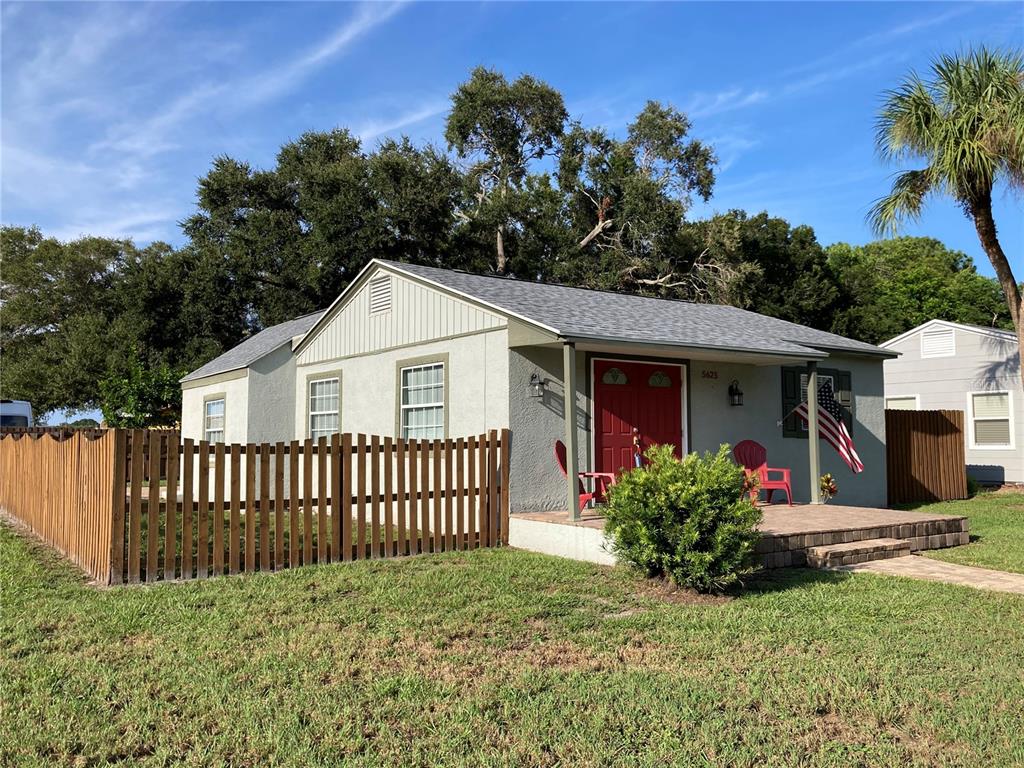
x,y
422,402
990,420
324,402
938,342
901,403
213,420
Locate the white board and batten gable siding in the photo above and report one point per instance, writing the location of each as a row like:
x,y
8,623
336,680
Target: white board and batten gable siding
x,y
392,311
389,322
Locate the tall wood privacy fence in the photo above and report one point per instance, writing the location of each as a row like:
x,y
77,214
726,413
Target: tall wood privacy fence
x,y
183,509
925,455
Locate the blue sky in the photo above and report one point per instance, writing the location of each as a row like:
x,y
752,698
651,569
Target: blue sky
x,y
110,113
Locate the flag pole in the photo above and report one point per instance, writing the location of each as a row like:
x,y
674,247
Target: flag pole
x,y
813,447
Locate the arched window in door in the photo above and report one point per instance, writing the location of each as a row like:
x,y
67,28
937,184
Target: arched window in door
x,y
614,376
659,379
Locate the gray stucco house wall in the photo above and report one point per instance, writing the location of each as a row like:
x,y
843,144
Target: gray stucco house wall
x,y
943,365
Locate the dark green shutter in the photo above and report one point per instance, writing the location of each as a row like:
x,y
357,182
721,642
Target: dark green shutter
x,y
790,400
792,425
844,394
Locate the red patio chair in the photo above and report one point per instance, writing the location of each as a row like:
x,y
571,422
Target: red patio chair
x,y
753,457
602,480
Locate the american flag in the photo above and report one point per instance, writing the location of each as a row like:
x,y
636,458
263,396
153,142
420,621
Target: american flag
x,y
831,426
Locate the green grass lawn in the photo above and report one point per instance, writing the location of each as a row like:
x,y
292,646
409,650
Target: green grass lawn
x,y
997,531
502,657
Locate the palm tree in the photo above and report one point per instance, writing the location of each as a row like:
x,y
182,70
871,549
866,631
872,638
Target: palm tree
x,y
966,123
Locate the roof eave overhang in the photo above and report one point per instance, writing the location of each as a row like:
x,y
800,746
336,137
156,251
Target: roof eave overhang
x,y
879,352
191,381
739,354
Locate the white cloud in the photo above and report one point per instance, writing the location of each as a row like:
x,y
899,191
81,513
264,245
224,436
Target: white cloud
x,y
283,78
92,112
373,129
708,104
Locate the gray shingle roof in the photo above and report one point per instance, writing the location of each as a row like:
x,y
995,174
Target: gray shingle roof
x,y
255,347
582,313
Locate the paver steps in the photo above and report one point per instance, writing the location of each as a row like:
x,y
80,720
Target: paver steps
x,y
851,553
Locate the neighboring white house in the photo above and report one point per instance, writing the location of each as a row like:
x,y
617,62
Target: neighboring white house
x,y
421,352
968,368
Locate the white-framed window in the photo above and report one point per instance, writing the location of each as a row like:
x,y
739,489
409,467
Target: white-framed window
x,y
903,403
991,415
324,407
380,294
938,342
213,420
421,403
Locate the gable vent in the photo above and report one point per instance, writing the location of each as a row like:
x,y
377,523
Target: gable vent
x,y
380,295
938,343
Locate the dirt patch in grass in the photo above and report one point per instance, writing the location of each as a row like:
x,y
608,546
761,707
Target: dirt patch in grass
x,y
667,591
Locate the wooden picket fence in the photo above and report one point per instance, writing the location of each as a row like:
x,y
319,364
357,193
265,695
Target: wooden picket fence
x,y
181,509
925,456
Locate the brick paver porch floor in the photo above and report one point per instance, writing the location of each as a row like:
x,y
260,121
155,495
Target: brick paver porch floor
x,y
782,519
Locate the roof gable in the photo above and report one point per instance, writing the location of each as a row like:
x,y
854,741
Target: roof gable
x,y
407,312
935,323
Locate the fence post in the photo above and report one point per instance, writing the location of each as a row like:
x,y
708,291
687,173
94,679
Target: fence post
x,y
118,489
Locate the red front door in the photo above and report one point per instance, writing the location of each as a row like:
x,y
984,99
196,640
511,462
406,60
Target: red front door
x,y
647,396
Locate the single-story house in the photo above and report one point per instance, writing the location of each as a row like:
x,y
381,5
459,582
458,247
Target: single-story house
x,y
966,368
420,352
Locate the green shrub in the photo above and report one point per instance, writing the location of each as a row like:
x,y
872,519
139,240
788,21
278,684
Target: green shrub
x,y
689,520
973,487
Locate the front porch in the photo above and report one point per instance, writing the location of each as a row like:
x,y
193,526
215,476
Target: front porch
x,y
790,536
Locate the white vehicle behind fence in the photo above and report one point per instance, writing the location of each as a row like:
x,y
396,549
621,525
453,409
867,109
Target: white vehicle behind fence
x,y
16,413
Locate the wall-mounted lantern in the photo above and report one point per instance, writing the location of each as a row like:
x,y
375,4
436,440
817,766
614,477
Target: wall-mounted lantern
x,y
735,393
537,385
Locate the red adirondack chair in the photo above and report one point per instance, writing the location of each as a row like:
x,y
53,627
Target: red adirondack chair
x,y
753,457
602,480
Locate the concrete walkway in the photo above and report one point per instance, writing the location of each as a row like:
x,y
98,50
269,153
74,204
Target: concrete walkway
x,y
917,567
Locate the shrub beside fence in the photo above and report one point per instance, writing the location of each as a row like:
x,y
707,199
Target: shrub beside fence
x,y
184,509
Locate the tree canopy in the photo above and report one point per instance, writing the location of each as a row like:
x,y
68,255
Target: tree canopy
x,y
891,286
521,190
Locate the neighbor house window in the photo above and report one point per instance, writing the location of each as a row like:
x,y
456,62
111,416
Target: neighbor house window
x,y
901,403
422,402
213,420
324,401
991,425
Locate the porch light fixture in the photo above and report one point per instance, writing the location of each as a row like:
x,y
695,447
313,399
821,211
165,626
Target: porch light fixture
x,y
735,393
537,385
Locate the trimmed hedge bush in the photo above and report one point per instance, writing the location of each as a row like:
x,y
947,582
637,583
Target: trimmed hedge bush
x,y
689,520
